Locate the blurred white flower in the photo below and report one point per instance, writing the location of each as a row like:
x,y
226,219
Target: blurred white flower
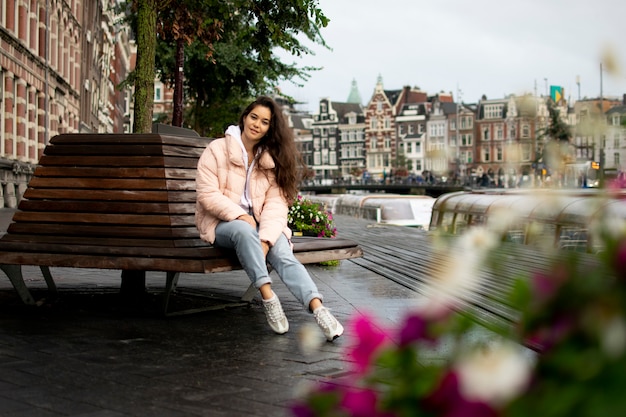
x,y
614,337
503,220
309,340
495,373
460,277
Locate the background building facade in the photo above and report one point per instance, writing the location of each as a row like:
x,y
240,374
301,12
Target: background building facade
x,y
60,64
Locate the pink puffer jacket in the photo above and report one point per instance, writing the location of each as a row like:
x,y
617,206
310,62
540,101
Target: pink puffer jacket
x,y
220,182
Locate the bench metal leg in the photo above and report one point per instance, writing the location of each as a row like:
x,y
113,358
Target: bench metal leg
x,y
249,294
170,285
14,272
52,287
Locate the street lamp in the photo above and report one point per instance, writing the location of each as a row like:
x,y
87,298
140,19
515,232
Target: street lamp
x,y
600,144
459,167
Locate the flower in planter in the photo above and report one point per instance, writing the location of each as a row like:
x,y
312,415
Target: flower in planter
x,y
309,218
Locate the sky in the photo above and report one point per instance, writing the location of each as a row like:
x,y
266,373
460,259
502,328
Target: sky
x,y
469,48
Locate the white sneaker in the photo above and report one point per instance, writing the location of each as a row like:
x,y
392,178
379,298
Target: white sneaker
x,y
275,315
331,328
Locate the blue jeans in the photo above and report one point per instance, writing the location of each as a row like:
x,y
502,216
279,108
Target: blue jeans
x,y
240,236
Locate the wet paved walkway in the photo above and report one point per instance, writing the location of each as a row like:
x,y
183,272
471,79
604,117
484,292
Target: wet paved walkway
x,y
84,355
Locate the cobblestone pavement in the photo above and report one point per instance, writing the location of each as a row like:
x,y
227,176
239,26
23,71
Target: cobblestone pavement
x,y
85,354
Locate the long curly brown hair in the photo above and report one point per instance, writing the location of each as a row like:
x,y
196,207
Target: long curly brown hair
x,y
280,144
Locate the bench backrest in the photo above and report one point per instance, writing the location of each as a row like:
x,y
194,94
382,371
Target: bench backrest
x,y
113,190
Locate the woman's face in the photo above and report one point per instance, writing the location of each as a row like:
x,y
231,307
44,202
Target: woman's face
x,y
256,124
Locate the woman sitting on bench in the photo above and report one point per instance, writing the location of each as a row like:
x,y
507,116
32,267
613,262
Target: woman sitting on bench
x,y
244,185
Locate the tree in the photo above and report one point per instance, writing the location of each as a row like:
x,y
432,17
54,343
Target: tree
x,y
557,129
180,24
556,138
143,75
242,63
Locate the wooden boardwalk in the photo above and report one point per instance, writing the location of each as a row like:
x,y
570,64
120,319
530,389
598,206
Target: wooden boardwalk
x,y
407,256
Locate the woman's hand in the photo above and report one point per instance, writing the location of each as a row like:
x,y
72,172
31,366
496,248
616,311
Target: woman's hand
x,y
248,219
266,247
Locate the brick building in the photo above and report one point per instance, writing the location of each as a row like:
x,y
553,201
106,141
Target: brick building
x,y
60,61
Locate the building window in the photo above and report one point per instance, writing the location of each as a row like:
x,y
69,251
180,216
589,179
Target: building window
x,y
486,154
387,122
486,133
499,153
615,120
494,111
526,152
616,158
409,147
466,139
157,94
374,123
499,132
525,130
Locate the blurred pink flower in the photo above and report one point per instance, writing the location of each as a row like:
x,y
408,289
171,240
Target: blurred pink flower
x,y
415,328
369,339
361,403
549,336
546,286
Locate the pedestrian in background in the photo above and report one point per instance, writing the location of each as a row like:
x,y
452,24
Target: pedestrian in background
x,y
244,186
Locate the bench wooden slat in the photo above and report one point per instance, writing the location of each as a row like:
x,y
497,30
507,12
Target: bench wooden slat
x,y
99,231
201,252
103,241
135,207
78,219
117,172
113,183
111,195
99,183
134,139
122,149
119,161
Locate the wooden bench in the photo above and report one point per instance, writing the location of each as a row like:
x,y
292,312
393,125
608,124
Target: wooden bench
x,y
123,202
